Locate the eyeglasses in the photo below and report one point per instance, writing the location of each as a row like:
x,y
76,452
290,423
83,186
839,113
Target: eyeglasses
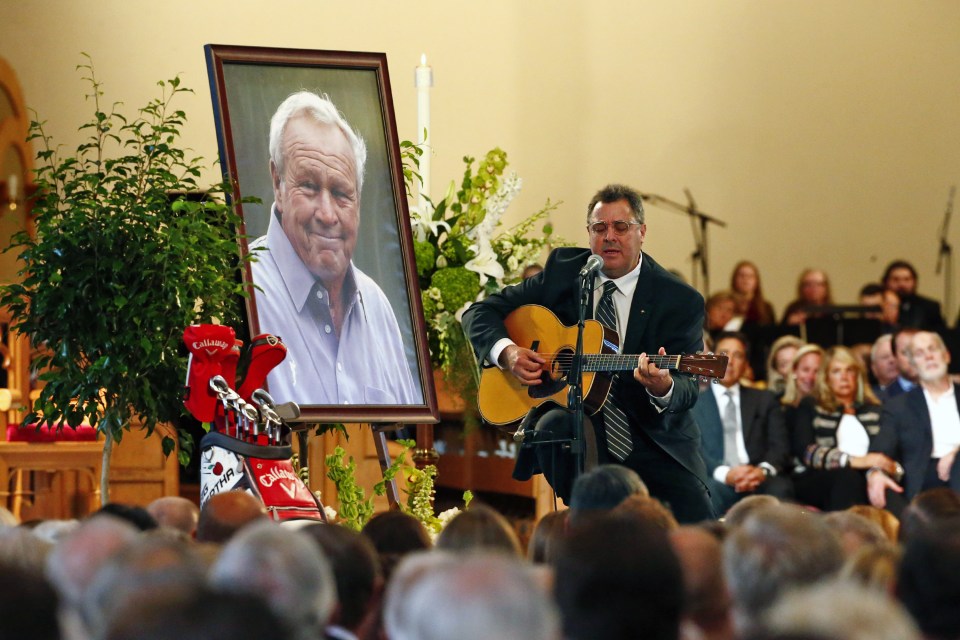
x,y
620,227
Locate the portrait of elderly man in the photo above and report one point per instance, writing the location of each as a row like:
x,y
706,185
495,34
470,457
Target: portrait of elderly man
x,y
344,345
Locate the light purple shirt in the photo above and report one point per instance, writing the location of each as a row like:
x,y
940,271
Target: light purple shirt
x,y
367,365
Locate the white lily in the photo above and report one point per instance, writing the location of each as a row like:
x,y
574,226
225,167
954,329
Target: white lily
x,y
485,264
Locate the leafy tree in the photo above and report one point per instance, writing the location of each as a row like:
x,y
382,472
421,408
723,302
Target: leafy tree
x,y
120,260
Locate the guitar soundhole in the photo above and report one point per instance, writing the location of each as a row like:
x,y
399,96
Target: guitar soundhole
x,y
554,379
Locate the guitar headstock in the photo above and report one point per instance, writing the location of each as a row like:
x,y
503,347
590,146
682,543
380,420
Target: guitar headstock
x,y
704,365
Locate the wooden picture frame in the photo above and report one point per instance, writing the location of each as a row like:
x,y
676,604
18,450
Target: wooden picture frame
x,y
248,84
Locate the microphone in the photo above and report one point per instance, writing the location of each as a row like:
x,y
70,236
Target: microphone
x,y
594,262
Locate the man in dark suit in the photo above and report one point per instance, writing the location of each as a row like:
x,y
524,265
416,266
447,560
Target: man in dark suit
x,y
915,310
921,428
745,446
645,424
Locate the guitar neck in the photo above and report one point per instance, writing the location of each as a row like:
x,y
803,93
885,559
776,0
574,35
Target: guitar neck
x,y
619,362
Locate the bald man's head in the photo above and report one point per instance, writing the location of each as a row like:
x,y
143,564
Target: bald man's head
x,y
225,513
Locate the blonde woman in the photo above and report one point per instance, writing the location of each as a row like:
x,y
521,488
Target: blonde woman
x,y
832,434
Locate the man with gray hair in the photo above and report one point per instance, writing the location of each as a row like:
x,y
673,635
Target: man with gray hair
x,y
343,341
776,549
472,598
921,428
284,567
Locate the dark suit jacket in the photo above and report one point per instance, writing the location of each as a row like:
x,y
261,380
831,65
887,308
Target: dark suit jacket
x,y
764,429
922,313
665,312
906,435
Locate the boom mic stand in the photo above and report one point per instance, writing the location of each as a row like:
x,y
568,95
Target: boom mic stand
x,y
700,222
945,255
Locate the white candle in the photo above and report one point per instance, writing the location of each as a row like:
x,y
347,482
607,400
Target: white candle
x,y
12,190
423,82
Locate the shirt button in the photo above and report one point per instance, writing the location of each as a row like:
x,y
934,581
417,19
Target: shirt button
x,y
326,328
319,295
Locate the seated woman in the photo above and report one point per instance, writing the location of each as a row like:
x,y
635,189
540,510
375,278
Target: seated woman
x,y
782,352
745,284
832,433
813,290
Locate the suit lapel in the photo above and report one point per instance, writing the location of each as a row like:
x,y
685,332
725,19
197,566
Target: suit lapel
x,y
748,409
919,408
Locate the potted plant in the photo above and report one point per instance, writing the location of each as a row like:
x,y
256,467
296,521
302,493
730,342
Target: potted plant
x,y
120,260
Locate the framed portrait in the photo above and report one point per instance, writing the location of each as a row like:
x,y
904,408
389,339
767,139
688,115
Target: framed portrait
x,y
312,134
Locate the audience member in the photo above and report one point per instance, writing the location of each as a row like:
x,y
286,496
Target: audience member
x,y
601,489
779,363
776,549
143,570
397,615
199,614
394,534
19,547
883,365
547,533
837,610
855,531
915,310
739,512
744,439
531,270
53,531
28,604
175,512
137,516
615,576
929,581
283,566
813,290
479,528
721,313
928,509
803,375
223,514
874,566
475,598
888,522
922,426
707,605
832,436
7,519
356,571
648,509
751,305
75,560
906,373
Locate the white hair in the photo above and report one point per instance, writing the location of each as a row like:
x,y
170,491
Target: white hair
x,y
479,596
323,111
838,609
283,566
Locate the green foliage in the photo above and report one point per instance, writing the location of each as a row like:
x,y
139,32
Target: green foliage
x,y
355,508
118,265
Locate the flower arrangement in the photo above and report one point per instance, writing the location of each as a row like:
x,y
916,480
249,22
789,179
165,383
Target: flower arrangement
x,y
464,253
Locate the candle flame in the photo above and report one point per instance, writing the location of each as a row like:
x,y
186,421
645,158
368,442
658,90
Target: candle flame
x,y
423,59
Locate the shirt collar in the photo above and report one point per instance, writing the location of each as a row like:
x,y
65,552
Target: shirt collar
x,y
626,283
296,277
720,391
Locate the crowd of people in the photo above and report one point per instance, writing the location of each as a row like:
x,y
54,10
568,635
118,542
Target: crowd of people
x,y
616,564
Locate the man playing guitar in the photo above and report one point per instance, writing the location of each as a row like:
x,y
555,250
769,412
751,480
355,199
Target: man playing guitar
x,y
644,424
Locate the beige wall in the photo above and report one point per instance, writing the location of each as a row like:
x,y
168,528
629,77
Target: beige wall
x,y
824,132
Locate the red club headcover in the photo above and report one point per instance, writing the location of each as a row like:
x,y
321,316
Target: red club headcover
x,y
211,346
266,352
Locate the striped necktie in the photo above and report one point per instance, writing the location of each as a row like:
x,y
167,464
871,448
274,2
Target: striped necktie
x,y
619,442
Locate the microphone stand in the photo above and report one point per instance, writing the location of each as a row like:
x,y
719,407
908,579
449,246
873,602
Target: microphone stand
x,y
700,222
945,255
575,375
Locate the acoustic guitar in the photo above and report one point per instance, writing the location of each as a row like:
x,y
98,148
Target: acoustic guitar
x,y
503,400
